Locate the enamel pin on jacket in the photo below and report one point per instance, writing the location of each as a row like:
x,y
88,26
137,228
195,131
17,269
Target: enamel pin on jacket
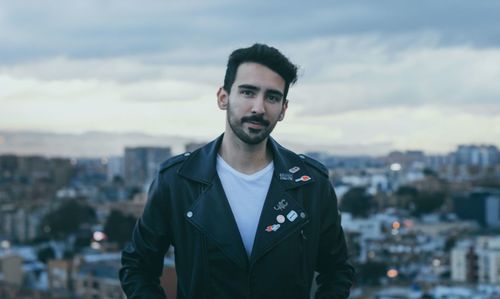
x,y
299,233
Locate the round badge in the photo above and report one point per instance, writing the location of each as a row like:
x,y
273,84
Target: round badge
x,y
280,218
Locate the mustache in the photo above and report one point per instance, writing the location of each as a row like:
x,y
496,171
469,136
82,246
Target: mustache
x,y
256,119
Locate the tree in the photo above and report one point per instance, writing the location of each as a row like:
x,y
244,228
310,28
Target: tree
x,y
67,219
427,202
357,202
406,196
407,191
118,227
419,202
429,172
45,254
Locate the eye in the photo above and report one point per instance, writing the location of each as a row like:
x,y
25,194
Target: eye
x,y
247,92
273,98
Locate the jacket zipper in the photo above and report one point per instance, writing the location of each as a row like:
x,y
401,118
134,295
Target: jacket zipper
x,y
281,240
264,253
284,238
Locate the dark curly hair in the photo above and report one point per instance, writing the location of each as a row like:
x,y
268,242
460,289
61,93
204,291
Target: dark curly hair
x,y
265,55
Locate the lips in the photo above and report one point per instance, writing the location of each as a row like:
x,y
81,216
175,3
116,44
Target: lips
x,y
255,122
255,125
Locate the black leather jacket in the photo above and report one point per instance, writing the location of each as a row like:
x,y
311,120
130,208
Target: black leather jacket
x,y
187,209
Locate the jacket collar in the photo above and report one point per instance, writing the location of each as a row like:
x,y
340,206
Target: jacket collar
x,y
289,167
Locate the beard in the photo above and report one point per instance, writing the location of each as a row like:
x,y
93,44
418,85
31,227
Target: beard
x,y
253,136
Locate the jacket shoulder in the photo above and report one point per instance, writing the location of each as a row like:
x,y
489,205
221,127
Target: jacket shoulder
x,y
172,161
315,164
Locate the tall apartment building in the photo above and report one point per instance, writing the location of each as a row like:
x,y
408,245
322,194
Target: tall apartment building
x,y
141,163
464,264
477,262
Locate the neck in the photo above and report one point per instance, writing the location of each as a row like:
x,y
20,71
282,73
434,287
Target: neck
x,y
244,157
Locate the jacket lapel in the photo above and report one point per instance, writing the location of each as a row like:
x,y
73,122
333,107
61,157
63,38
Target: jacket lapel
x,y
212,215
281,216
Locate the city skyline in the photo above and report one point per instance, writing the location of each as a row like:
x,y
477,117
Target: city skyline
x,y
101,145
373,77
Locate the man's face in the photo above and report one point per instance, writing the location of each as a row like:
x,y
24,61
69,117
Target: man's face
x,y
255,103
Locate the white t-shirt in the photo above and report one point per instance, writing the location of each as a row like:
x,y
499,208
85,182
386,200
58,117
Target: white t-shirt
x,y
246,194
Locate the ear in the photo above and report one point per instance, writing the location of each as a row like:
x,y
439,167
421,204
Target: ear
x,y
283,110
222,98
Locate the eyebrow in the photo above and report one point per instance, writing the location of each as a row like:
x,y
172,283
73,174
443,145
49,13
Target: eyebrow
x,y
248,86
255,88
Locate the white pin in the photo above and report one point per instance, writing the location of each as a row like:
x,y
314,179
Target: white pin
x,y
280,218
292,215
294,169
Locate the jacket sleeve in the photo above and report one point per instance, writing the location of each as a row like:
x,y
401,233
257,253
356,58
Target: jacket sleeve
x,y
142,258
335,273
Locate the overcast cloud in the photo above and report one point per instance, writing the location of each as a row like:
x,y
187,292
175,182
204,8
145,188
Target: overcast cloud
x,y
405,74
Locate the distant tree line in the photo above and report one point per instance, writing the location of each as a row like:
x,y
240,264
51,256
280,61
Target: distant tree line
x,y
75,218
360,203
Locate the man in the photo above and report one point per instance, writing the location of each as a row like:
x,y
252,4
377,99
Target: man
x,y
247,218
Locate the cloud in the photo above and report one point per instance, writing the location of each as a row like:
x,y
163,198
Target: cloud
x,y
435,130
33,30
385,73
358,74
119,70
96,91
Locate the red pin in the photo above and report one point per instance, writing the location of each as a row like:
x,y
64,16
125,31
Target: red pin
x,y
303,178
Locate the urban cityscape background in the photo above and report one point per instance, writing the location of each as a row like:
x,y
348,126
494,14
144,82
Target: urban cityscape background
x,y
399,100
417,225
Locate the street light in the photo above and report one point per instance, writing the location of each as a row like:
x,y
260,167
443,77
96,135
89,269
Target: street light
x,y
392,273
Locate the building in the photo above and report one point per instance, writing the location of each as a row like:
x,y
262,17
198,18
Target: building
x,y
477,155
405,159
11,269
476,261
8,165
361,231
99,280
464,264
115,168
481,205
27,178
21,222
370,228
60,276
96,276
141,164
488,252
20,268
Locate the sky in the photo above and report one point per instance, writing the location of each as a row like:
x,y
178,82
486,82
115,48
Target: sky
x,y
373,75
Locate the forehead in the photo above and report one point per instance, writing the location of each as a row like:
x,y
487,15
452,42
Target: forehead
x,y
259,75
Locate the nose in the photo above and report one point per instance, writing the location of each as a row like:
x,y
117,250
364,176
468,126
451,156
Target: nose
x,y
258,105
